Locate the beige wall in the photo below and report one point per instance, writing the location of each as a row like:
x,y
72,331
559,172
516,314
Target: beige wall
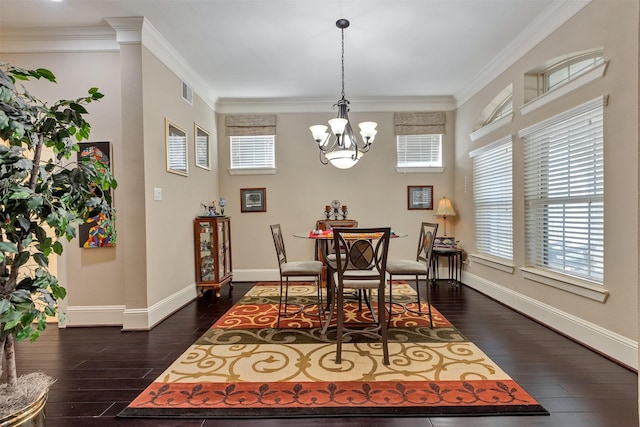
x,y
598,25
87,272
375,194
169,222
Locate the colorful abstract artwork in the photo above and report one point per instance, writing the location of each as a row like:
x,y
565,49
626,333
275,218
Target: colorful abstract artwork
x,y
95,233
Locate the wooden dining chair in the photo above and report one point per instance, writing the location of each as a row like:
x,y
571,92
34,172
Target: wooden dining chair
x,y
361,258
298,270
418,268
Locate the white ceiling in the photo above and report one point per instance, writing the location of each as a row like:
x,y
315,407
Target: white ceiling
x,y
291,48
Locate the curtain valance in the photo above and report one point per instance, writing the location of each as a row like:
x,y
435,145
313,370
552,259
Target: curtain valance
x,y
251,124
420,123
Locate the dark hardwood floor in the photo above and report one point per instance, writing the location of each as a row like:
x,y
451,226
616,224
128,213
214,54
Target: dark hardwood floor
x,y
99,370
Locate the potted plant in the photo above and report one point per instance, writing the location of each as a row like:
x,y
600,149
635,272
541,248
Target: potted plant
x,y
44,196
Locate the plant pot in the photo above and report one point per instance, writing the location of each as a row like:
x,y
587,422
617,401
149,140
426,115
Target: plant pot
x,y
30,416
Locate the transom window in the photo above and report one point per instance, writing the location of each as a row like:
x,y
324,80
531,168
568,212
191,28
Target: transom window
x,y
419,151
253,152
569,69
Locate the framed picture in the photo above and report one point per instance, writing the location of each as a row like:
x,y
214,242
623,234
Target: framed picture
x,y
420,197
95,232
201,138
176,141
253,200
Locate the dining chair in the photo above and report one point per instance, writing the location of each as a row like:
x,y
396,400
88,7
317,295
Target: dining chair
x,y
421,267
361,259
296,269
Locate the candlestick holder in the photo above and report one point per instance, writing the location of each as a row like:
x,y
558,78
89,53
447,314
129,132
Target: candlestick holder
x,y
336,210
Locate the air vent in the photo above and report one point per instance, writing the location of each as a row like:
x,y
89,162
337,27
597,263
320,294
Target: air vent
x,y
187,93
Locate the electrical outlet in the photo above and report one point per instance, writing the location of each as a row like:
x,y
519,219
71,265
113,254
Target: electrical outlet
x,y
157,194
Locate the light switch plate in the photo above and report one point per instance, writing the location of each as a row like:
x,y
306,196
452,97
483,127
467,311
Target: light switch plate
x,y
157,194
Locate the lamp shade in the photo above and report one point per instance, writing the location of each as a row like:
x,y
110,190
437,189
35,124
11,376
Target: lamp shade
x,y
444,208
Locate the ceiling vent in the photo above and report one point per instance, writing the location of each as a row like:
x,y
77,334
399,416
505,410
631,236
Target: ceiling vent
x,y
187,93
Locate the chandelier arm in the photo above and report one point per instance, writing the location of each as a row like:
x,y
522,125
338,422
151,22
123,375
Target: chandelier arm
x,y
323,159
325,149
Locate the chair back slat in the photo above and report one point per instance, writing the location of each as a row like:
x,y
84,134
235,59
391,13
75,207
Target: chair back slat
x,y
428,232
278,241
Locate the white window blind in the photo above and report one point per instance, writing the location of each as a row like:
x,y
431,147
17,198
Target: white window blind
x,y
493,198
202,150
252,152
419,150
564,192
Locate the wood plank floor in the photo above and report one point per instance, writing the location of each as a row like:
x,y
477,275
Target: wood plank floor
x,y
100,370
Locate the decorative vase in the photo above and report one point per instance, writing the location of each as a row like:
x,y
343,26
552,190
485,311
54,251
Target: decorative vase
x,y
31,415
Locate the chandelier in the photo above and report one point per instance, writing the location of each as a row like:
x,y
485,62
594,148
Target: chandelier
x,y
345,150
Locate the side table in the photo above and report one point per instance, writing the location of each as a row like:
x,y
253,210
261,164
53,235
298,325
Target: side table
x,y
454,259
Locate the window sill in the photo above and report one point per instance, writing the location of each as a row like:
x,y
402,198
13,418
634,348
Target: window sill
x,y
249,171
420,170
566,283
487,129
497,263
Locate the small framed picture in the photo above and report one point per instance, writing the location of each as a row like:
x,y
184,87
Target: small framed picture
x,y
420,197
253,200
176,141
202,148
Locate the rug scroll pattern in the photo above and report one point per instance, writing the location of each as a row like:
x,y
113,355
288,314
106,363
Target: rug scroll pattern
x,y
244,367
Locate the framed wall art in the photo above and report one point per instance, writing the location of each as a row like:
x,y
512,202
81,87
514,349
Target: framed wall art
x,y
201,138
176,142
420,197
253,200
96,232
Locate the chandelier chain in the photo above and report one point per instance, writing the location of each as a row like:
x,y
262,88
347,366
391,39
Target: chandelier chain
x,y
342,31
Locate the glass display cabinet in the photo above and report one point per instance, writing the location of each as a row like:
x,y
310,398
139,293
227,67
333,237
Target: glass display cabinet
x,y
212,253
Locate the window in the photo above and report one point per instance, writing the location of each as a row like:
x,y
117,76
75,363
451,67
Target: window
x,y
419,151
564,192
253,152
492,196
504,109
570,69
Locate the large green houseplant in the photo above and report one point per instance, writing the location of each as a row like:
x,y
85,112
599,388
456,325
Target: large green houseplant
x,y
44,195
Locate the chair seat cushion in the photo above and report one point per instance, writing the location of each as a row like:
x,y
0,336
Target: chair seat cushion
x,y
405,266
357,279
301,268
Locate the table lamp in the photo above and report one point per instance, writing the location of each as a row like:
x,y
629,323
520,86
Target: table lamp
x,y
444,210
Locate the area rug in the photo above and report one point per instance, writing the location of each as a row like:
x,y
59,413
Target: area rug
x,y
244,367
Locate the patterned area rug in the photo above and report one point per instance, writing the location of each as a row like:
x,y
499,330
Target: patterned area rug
x,y
243,367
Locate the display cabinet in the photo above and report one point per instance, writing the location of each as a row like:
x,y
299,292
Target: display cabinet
x,y
212,253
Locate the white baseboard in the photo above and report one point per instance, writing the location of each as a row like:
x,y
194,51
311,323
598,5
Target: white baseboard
x,y
129,319
605,341
98,315
147,318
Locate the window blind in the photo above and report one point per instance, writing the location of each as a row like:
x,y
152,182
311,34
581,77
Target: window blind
x,y
493,198
252,152
564,192
177,153
419,150
202,150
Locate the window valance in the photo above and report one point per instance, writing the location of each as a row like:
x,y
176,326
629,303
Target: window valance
x,y
251,124
420,123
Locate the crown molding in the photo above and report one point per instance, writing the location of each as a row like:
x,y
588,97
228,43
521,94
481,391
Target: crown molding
x,y
57,39
554,16
322,105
